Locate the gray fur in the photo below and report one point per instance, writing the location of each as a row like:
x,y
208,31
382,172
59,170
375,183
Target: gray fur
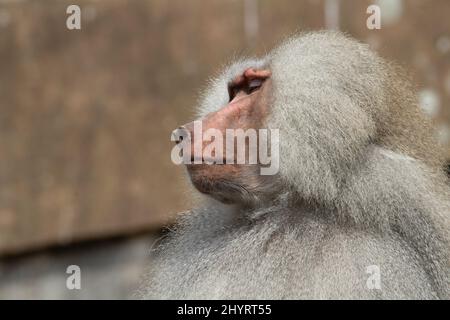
x,y
362,184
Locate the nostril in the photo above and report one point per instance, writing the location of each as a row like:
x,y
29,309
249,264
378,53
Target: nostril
x,y
180,134
179,140
180,137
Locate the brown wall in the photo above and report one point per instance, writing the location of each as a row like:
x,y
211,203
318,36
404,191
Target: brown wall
x,y
86,116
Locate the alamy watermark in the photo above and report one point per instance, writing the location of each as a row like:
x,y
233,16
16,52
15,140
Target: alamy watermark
x,y
374,20
73,282
374,280
262,147
73,22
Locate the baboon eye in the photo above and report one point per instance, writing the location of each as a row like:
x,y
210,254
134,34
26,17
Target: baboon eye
x,y
254,85
248,87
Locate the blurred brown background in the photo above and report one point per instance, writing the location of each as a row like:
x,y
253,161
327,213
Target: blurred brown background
x,y
86,115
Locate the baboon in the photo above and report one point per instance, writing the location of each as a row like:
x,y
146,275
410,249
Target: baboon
x,y
360,206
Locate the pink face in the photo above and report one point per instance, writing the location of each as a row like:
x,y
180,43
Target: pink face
x,y
248,108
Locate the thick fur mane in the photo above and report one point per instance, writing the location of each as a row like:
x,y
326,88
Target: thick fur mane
x,y
361,176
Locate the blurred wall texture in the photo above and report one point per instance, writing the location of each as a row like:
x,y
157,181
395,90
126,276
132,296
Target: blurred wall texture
x,y
86,115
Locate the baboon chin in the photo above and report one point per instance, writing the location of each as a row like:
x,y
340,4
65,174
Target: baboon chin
x,y
359,188
239,185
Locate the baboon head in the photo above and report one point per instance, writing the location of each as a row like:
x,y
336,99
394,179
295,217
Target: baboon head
x,y
334,102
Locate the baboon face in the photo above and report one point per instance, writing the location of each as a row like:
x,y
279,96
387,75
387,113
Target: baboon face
x,y
248,108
